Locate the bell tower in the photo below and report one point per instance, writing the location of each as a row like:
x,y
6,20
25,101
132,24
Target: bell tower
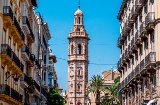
x,y
77,61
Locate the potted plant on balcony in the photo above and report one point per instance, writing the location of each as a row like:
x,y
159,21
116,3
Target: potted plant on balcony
x,y
31,85
31,88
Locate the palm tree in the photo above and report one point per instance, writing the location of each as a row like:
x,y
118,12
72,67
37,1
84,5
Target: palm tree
x,y
96,87
111,94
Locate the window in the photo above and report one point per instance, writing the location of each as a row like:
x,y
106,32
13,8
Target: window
x,y
140,17
147,84
152,37
136,55
79,49
136,24
132,31
146,44
79,72
128,36
129,65
146,8
44,59
3,36
140,51
71,49
79,20
133,61
9,41
44,76
14,47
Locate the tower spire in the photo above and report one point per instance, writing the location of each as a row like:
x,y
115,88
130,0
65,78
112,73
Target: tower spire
x,y
79,4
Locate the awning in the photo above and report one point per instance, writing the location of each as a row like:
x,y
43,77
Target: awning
x,y
151,101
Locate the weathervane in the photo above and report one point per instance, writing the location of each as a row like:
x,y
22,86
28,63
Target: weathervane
x,y
79,4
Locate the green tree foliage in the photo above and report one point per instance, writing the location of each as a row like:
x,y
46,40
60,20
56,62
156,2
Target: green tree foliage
x,y
96,87
54,98
111,94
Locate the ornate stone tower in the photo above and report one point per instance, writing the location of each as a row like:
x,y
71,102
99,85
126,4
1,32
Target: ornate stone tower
x,y
77,61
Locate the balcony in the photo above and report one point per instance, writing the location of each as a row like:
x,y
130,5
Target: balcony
x,y
149,21
142,65
10,21
143,31
133,45
37,86
43,92
130,20
150,60
38,64
127,55
10,59
138,6
27,56
137,70
130,53
134,14
142,2
126,28
138,39
27,29
123,34
24,81
119,43
6,54
10,95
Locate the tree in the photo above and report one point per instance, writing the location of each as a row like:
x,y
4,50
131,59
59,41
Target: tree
x,y
54,98
111,94
96,87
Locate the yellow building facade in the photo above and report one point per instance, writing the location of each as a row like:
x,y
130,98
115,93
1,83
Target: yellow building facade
x,y
12,39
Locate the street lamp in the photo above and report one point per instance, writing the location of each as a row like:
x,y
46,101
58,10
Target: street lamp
x,y
15,77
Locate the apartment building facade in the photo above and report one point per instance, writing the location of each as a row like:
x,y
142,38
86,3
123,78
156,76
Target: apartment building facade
x,y
24,54
139,52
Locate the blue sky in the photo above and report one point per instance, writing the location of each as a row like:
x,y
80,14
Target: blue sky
x,y
100,19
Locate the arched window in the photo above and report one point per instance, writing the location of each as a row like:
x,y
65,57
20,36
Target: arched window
x,y
79,103
79,20
71,49
79,87
79,49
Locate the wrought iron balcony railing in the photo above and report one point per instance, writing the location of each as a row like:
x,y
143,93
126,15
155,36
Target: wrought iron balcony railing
x,y
26,21
149,18
5,49
16,59
19,29
150,58
37,86
26,50
132,42
7,11
10,92
43,92
5,89
137,70
142,27
38,64
141,65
